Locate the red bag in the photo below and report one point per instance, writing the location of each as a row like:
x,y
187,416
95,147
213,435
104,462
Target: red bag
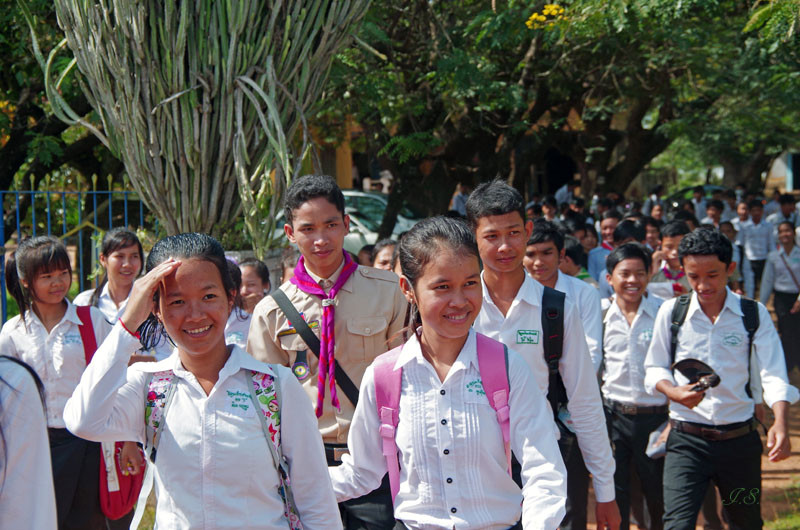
x,y
118,492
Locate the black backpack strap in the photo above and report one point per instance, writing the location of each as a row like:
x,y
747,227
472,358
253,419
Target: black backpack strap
x,y
751,323
679,311
553,344
295,319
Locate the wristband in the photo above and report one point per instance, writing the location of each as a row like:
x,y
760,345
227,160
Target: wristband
x,y
137,334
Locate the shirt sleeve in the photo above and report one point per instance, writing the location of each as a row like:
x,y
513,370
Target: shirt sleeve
x,y
28,499
400,307
586,407
768,278
302,447
591,316
544,485
771,362
260,339
363,468
7,344
108,403
657,362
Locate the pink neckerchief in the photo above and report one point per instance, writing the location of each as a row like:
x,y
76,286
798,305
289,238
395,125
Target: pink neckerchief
x,y
668,274
306,283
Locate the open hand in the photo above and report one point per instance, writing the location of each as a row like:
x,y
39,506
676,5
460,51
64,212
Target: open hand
x,y
778,442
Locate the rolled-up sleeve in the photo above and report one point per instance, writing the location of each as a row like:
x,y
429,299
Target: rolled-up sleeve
x,y
657,362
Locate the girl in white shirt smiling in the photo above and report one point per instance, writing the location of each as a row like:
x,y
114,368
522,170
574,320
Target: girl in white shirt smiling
x,y
453,468
214,468
46,335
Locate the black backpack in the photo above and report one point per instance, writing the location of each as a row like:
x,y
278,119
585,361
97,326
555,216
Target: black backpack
x,y
553,345
749,319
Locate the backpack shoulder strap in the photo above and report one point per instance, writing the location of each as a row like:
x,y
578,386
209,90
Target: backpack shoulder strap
x,y
388,382
553,344
87,331
266,394
160,389
679,311
493,366
751,322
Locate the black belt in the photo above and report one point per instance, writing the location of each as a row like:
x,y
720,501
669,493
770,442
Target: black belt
x,y
334,452
633,410
718,433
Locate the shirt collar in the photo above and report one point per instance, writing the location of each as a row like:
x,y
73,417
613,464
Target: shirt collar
x,y
332,278
238,360
732,303
412,351
645,306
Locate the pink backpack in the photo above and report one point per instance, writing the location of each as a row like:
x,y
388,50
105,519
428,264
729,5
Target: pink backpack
x,y
493,367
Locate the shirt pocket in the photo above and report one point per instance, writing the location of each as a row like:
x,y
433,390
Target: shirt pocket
x,y
367,334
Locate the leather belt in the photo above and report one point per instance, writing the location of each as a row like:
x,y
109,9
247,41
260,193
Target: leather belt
x,y
334,452
715,434
633,410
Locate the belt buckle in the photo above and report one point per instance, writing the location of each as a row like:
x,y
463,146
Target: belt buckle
x,y
629,409
338,452
711,434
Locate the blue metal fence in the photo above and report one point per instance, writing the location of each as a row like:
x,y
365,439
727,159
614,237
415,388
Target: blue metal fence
x,y
60,213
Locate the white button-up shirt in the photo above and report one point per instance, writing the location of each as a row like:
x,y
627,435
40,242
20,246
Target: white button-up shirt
x,y
625,348
27,499
587,299
57,357
777,275
237,328
214,468
522,329
453,471
723,346
758,239
104,303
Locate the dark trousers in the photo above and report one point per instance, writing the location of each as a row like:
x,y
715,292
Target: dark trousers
x,y
733,465
758,270
629,435
76,475
788,327
577,482
373,511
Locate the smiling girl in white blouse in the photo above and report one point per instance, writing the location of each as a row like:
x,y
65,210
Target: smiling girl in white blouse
x,y
453,463
214,468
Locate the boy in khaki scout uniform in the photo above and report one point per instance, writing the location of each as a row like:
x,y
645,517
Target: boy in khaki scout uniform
x,y
352,311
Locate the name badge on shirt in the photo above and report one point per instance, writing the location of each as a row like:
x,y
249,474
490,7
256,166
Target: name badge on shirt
x,y
527,336
646,335
72,338
239,403
732,339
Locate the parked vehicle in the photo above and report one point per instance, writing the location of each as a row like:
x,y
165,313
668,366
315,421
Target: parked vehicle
x,y
372,205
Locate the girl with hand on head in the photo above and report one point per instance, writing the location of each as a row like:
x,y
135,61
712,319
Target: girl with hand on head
x,y
452,457
46,335
206,410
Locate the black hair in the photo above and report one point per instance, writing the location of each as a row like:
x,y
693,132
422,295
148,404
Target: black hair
x,y
675,228
307,187
574,250
550,200
686,217
427,239
536,209
574,224
706,242
545,231
183,246
289,259
262,271
728,223
754,203
590,229
236,276
380,245
34,256
786,198
113,240
493,198
629,251
630,229
366,248
699,189
606,202
791,224
578,201
686,206
612,213
649,221
715,203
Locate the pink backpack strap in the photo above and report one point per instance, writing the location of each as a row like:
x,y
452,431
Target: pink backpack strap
x,y
493,366
87,331
387,398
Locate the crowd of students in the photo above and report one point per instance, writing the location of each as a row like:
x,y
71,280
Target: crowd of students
x,y
475,374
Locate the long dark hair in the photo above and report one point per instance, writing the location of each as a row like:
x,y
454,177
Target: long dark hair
x,y
182,246
34,256
423,242
115,239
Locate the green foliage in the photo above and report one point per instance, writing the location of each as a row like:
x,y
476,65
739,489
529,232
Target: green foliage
x,y
776,21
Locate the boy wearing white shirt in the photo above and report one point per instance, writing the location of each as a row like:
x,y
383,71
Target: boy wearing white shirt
x,y
631,412
714,437
758,239
512,313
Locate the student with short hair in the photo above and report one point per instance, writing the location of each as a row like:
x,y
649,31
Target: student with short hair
x,y
597,257
669,280
652,236
453,470
512,312
382,254
714,211
255,282
785,214
631,412
574,262
351,315
713,432
628,231
757,238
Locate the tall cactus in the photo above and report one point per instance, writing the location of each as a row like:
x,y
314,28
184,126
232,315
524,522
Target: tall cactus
x,y
201,98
